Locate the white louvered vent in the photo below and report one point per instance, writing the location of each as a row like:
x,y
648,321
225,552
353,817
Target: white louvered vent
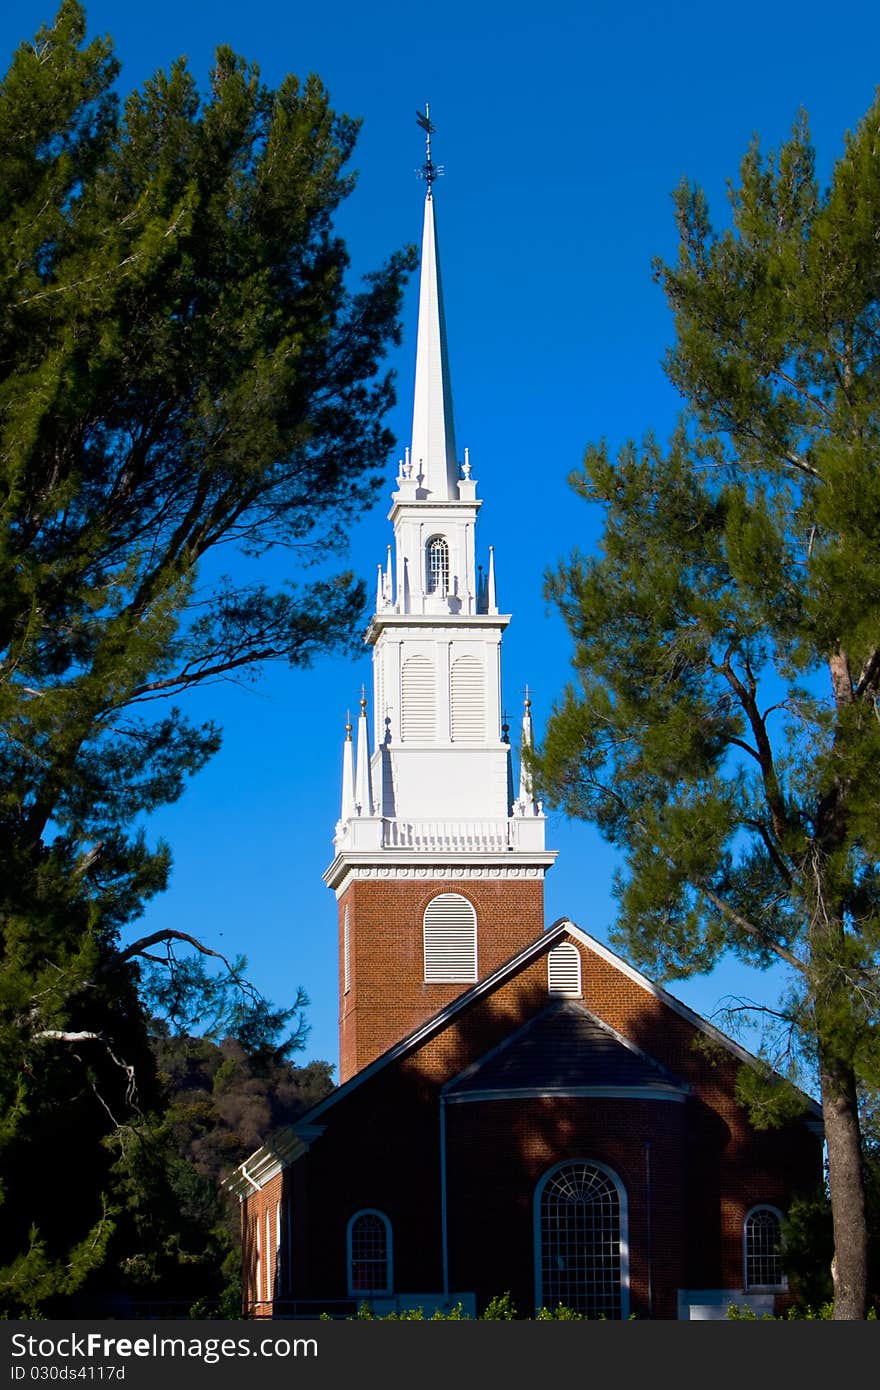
x,y
564,970
468,718
346,951
450,940
417,714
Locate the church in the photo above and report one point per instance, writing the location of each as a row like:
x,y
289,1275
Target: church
x,y
519,1110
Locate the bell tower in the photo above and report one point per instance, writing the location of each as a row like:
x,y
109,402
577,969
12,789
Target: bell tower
x,y
438,868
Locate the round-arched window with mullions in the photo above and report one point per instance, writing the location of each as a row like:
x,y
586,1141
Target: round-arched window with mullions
x,y
580,1241
437,566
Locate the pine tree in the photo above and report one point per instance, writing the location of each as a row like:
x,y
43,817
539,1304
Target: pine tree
x,y
182,367
724,728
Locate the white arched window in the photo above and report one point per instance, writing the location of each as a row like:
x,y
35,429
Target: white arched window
x,y
417,700
564,970
580,1232
437,566
450,940
369,1254
762,1249
467,700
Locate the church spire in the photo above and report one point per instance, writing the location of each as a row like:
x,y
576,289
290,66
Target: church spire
x,y
434,460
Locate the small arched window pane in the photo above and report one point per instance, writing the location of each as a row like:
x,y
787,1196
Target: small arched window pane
x,y
437,566
763,1249
369,1253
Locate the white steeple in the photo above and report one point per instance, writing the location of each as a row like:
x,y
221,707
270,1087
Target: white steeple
x,y
438,790
433,456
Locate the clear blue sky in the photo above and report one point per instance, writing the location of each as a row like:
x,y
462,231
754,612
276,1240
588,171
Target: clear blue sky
x,y
563,129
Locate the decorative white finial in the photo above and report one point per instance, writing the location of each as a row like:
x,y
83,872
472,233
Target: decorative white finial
x,y
491,599
347,808
363,792
527,802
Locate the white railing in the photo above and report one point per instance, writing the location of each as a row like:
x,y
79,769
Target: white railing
x,y
430,835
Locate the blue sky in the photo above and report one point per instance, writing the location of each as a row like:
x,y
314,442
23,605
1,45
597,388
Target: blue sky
x,y
563,129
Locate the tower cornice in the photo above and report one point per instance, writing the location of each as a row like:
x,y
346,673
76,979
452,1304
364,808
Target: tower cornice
x,y
448,621
450,866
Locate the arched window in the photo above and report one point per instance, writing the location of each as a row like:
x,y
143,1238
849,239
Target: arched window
x,y
437,566
450,940
467,700
564,970
369,1253
417,700
762,1249
580,1219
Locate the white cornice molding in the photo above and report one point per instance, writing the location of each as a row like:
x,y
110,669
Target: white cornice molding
x,y
349,865
468,622
283,1149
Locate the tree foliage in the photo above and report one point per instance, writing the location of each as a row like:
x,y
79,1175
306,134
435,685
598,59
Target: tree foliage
x,y
182,368
724,728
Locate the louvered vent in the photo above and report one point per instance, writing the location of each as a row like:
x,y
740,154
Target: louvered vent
x,y
417,714
468,719
450,940
564,970
346,952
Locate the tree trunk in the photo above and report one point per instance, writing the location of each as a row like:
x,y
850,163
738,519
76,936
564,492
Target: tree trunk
x,y
846,1183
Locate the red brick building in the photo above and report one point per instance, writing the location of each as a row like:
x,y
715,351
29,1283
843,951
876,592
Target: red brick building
x,y
519,1110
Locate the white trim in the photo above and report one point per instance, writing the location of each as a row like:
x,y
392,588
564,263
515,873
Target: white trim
x,y
538,1092
270,1258
389,864
624,1228
389,1254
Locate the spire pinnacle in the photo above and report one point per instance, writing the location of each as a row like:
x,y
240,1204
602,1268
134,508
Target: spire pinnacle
x,y
363,792
429,170
348,788
433,455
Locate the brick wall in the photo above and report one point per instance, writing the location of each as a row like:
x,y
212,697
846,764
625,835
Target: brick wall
x,y
690,1170
388,997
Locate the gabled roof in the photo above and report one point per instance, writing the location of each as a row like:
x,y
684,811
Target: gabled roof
x,y
565,1050
293,1140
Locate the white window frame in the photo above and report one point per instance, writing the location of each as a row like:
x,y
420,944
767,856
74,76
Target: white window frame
x,y
389,1254
623,1220
748,1286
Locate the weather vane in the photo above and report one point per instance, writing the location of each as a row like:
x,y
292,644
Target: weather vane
x,y
429,170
